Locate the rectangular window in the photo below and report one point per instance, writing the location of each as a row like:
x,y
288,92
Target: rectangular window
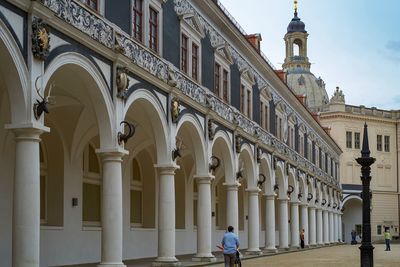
x,y
280,128
349,139
137,19
242,89
153,23
379,229
225,85
357,140
266,114
358,229
262,115
248,103
136,207
91,3
387,143
276,126
184,52
379,142
195,60
217,69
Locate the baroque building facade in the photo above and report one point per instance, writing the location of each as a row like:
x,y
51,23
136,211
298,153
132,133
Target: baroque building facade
x,y
145,128
346,123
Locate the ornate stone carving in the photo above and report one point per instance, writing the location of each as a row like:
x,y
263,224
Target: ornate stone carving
x,y
82,19
122,81
338,97
210,129
40,39
175,109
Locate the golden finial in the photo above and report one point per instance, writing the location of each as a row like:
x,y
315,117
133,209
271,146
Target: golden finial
x,y
295,7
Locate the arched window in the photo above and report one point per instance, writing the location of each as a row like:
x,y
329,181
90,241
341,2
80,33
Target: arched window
x,y
297,47
136,195
91,191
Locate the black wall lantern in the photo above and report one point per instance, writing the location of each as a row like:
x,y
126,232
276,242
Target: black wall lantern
x,y
309,197
214,163
323,202
261,179
290,190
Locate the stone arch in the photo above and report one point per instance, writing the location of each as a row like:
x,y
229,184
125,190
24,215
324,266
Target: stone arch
x,y
265,169
13,65
190,125
157,122
223,146
281,180
246,155
97,90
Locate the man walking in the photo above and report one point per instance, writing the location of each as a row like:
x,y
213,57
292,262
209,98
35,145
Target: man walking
x,y
230,243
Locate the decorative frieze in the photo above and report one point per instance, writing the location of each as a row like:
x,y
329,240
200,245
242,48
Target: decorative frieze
x,y
82,19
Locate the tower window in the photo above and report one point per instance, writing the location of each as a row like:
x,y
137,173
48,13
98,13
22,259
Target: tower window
x,y
379,142
349,140
153,22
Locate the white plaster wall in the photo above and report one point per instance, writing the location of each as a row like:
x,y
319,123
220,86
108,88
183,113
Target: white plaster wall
x,y
352,215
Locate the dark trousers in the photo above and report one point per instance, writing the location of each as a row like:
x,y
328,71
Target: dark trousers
x,y
387,242
302,243
229,259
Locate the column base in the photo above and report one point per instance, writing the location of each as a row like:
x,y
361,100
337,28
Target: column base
x,y
271,250
294,248
313,245
253,252
111,264
204,258
166,262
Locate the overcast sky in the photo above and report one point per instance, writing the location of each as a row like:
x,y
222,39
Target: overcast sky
x,y
353,44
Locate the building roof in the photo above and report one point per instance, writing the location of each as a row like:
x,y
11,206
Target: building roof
x,y
296,25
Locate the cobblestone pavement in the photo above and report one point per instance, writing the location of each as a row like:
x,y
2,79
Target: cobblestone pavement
x,y
334,256
337,256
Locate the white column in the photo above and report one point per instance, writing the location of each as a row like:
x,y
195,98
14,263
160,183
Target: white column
x,y
304,222
320,224
253,222
166,216
331,227
26,206
204,219
270,223
340,227
294,225
111,208
336,223
232,208
326,226
283,224
312,228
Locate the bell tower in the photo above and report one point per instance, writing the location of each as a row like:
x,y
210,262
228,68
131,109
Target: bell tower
x,y
296,45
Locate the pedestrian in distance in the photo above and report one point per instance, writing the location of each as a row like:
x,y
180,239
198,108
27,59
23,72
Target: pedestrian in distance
x,y
302,238
230,244
353,237
387,238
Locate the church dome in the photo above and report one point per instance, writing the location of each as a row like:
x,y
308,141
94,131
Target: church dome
x,y
305,83
296,25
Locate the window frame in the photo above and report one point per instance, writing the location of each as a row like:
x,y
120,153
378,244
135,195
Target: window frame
x,y
386,145
89,177
142,16
224,66
136,185
357,140
246,97
379,142
194,38
349,139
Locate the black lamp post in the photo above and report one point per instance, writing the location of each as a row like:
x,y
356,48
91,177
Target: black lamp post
x,y
366,248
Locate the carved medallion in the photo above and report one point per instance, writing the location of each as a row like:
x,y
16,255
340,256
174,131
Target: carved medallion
x,y
175,109
122,81
40,39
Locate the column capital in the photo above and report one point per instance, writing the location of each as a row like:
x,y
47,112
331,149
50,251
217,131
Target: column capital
x,y
204,179
112,154
283,199
166,168
270,197
253,190
312,207
296,202
232,187
27,131
304,204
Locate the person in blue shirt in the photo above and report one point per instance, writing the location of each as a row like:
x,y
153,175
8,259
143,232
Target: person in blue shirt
x,y
230,243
